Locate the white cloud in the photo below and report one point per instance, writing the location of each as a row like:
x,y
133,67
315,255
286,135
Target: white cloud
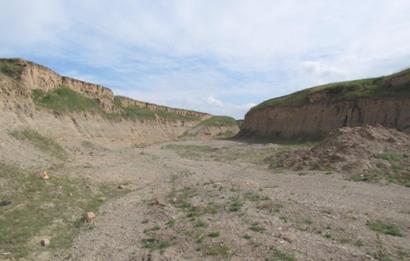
x,y
236,51
211,100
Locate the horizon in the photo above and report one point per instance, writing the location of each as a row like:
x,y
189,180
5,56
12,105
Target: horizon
x,y
219,58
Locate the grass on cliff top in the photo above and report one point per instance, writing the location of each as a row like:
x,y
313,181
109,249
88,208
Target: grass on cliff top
x,y
64,100
39,209
372,87
219,121
44,144
10,68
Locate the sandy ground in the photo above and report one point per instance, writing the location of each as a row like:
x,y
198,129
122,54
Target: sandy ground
x,y
187,202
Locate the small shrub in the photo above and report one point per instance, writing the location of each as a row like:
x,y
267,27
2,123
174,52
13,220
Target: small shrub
x,y
235,205
278,255
257,228
388,229
213,234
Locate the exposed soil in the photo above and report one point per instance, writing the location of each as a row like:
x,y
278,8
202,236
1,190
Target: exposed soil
x,y
219,200
371,151
188,203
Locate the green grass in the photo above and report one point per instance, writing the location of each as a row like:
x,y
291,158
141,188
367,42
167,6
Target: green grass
x,y
216,249
235,204
39,208
348,90
213,234
41,142
256,227
64,99
388,229
10,68
279,255
390,156
154,244
219,121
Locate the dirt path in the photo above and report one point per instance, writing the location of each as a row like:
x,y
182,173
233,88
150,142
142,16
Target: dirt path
x,y
217,200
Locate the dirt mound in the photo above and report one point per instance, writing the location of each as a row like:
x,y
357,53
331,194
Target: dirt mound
x,y
371,151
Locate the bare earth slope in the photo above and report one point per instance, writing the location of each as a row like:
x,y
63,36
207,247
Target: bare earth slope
x,y
312,113
35,97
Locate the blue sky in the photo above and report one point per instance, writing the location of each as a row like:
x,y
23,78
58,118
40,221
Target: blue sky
x,y
218,56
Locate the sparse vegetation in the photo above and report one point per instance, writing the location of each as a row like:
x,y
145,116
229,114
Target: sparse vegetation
x,y
41,142
35,204
235,204
64,99
256,227
154,244
372,87
219,121
388,229
279,255
10,68
213,234
216,249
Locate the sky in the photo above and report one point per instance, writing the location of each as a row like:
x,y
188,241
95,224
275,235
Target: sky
x,y
216,56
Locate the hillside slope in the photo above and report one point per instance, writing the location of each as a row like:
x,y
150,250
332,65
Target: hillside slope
x,y
312,113
71,111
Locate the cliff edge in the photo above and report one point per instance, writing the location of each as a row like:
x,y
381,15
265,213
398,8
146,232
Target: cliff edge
x,y
312,113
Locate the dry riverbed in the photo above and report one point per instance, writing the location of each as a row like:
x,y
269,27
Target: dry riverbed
x,y
210,200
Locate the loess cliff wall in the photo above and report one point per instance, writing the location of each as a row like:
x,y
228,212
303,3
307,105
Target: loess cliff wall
x,y
18,78
321,112
35,76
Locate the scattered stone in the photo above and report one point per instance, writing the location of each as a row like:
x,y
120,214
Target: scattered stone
x,y
45,242
44,176
89,217
121,186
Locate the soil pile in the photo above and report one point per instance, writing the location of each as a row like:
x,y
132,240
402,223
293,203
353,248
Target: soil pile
x,y
370,150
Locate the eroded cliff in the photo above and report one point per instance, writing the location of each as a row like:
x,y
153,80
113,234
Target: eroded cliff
x,y
312,113
35,97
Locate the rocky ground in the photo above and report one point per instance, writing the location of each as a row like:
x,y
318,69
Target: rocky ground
x,y
221,200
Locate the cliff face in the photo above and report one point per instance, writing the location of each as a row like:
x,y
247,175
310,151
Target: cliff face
x,y
312,113
109,126
35,76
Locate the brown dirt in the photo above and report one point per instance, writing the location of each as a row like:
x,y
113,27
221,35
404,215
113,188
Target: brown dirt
x,y
179,202
219,200
369,150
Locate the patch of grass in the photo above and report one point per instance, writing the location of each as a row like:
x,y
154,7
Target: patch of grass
x,y
170,223
10,68
44,208
213,234
279,255
235,204
253,196
216,249
64,99
390,156
350,90
388,229
256,227
247,237
153,244
219,121
200,223
41,142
